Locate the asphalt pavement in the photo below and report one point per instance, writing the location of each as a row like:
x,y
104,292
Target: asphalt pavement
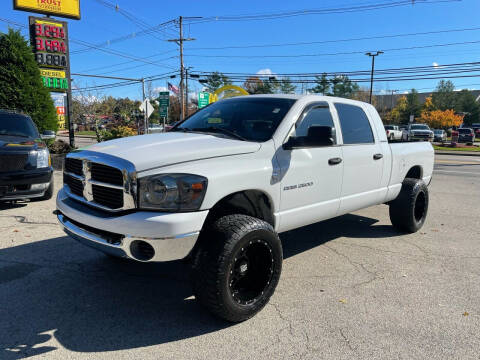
x,y
351,288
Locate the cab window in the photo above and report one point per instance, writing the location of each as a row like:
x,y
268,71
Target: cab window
x,y
354,123
316,116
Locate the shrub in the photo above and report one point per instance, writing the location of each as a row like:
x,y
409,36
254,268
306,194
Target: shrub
x,y
120,132
59,147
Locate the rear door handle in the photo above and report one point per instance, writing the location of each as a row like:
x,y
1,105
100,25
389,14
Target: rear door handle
x,y
377,156
334,161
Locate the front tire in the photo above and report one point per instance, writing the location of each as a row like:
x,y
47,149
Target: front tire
x,y
237,267
409,210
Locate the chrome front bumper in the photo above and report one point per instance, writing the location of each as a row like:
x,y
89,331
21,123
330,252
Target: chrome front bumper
x,y
164,249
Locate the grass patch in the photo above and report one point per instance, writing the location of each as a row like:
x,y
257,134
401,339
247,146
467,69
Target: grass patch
x,y
446,148
85,132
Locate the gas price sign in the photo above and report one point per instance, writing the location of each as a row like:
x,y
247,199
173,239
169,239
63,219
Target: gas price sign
x,y
49,40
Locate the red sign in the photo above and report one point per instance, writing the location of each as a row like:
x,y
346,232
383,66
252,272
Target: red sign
x,y
60,110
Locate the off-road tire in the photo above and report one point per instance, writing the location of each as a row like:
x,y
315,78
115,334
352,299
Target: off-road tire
x,y
48,193
409,210
215,260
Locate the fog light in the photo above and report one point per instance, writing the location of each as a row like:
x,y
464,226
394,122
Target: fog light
x,y
39,186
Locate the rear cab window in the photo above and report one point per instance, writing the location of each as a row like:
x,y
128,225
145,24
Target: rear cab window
x,y
355,125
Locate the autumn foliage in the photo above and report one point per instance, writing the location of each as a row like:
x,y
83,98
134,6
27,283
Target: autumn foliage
x,y
438,119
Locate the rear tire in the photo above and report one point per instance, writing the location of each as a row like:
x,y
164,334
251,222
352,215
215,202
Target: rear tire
x,y
237,267
409,210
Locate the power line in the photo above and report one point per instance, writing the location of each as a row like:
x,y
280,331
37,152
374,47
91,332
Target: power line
x,y
324,11
337,53
336,41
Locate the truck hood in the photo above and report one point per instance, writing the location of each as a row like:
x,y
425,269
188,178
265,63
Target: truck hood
x,y
157,150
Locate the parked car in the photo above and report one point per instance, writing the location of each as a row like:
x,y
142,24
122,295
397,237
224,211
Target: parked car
x,y
393,132
219,187
476,129
466,135
25,165
419,132
439,135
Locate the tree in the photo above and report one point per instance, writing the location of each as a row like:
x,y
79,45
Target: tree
x,y
342,86
255,85
444,96
21,85
286,86
216,81
399,110
439,119
413,106
466,103
323,85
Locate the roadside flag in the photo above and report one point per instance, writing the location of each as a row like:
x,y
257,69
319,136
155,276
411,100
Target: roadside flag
x,y
173,88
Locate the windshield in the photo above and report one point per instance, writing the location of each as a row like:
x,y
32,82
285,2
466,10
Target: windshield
x,y
420,127
243,118
388,127
17,125
438,131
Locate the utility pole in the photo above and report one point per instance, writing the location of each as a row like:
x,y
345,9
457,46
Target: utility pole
x,y
391,98
179,42
186,89
372,55
145,127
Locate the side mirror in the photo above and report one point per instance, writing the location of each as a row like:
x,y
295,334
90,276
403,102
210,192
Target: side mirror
x,y
317,136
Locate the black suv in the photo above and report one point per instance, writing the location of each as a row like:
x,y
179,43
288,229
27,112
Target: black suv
x,y
25,165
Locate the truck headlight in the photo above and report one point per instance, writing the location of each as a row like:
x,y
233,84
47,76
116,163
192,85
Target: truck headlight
x,y
43,158
172,192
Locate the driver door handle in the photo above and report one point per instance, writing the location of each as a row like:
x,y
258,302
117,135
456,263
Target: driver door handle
x,y
377,156
334,161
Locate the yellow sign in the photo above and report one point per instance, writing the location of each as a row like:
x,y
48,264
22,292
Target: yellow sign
x,y
227,91
53,73
62,8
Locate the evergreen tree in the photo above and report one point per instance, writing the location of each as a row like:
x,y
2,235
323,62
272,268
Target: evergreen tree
x,y
466,103
21,85
342,86
215,81
444,96
286,86
323,85
413,107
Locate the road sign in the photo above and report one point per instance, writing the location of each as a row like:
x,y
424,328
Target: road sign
x,y
147,107
63,8
163,103
203,99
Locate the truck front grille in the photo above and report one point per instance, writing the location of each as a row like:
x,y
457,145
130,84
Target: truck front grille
x,y
100,180
106,174
75,185
13,162
74,166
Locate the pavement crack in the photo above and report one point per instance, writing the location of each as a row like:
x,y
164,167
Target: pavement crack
x,y
23,220
347,341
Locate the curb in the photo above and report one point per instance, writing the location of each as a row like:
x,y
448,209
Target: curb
x,y
461,153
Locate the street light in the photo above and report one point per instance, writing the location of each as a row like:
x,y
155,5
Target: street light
x,y
372,55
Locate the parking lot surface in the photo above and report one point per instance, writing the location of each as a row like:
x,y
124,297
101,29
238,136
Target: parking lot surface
x,y
351,287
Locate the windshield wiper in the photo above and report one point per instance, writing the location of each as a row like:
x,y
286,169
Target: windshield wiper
x,y
223,131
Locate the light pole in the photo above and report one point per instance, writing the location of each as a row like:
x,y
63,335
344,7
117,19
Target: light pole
x,y
372,55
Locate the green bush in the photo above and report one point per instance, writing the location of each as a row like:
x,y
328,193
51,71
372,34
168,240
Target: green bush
x,y
21,85
121,131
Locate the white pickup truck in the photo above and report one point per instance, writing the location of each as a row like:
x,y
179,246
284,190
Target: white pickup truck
x,y
218,189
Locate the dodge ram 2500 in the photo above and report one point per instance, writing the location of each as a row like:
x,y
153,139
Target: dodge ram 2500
x,y
220,186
